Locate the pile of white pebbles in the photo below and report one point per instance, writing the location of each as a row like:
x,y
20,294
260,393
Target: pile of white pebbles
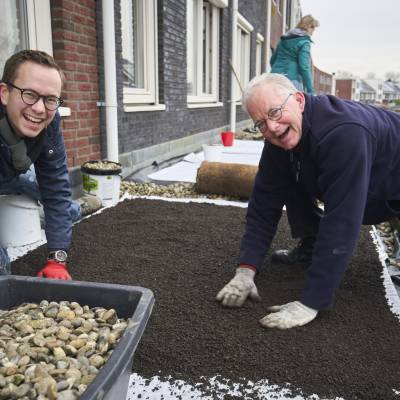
x,y
53,350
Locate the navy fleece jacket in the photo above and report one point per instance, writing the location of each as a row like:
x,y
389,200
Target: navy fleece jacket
x,y
348,157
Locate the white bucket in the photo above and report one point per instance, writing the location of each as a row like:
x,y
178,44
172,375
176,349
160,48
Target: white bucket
x,y
212,152
105,184
20,221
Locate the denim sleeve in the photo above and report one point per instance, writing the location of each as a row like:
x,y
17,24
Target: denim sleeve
x,y
52,175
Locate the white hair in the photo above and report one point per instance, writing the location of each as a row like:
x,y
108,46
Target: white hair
x,y
282,85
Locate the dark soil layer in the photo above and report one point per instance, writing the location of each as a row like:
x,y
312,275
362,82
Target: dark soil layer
x,y
185,253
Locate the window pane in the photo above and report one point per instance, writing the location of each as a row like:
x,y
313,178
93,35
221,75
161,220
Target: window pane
x,y
13,31
132,43
207,48
202,51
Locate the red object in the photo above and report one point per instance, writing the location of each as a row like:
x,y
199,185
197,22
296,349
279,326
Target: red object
x,y
227,138
54,270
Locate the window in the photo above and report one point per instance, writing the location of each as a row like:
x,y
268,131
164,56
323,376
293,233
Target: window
x,y
288,14
259,46
24,24
242,65
139,51
203,18
278,5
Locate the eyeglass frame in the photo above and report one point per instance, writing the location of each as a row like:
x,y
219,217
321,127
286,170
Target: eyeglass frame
x,y
59,100
262,125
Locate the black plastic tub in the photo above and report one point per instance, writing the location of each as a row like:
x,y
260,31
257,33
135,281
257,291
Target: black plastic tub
x,y
131,302
90,167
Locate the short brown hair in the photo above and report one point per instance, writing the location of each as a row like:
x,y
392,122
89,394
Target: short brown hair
x,y
36,56
308,21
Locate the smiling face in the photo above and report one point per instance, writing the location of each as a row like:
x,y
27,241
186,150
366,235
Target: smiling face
x,y
285,132
30,120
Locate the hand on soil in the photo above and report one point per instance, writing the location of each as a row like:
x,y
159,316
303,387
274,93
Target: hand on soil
x,y
288,316
235,293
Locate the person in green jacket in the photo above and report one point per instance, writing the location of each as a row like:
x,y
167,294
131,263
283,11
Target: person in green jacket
x,y
292,55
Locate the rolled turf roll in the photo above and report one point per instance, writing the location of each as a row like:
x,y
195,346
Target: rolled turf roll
x,y
235,180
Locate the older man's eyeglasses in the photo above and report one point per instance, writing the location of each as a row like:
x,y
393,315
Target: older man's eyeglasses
x,y
274,114
30,97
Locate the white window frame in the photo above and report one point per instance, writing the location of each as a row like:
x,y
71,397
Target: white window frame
x,y
148,95
39,25
195,54
243,51
36,21
259,47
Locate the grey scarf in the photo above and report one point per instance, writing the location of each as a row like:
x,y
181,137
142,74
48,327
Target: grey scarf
x,y
21,161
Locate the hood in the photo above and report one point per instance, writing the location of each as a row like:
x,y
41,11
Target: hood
x,y
295,33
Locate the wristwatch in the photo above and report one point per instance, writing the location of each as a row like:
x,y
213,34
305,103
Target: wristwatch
x,y
58,255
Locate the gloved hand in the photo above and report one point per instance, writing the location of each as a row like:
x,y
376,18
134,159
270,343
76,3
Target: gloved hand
x,y
54,270
288,316
241,286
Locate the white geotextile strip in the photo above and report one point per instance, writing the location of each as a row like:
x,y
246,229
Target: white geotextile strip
x,y
392,296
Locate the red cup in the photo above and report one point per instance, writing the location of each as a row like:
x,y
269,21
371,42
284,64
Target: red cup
x,y
227,138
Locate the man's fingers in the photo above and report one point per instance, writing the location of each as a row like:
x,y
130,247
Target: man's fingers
x,y
288,316
255,296
272,321
231,297
233,300
275,308
221,294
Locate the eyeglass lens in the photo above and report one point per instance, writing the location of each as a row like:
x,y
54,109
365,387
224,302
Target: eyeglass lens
x,y
30,97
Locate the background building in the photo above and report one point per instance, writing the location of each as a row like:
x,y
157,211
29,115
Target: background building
x,y
149,80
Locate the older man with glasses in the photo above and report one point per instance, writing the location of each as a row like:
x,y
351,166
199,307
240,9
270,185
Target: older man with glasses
x,y
343,153
30,136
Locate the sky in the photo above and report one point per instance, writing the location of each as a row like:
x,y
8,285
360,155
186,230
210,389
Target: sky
x,y
357,36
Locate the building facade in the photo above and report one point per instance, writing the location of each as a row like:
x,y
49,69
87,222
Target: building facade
x,y
179,68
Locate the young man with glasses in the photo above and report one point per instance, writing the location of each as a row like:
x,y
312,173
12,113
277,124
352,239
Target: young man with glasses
x,y
30,136
343,153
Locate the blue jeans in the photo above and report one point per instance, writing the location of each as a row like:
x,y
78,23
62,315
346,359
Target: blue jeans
x,y
27,184
298,85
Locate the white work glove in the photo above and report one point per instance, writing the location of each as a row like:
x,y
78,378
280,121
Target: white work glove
x,y
288,316
241,286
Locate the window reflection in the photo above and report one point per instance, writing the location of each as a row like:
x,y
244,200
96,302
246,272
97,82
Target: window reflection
x,y
13,31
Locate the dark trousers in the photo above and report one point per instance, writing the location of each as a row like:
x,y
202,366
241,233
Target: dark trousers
x,y
303,214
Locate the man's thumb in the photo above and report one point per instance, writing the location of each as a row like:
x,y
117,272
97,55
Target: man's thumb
x,y
254,294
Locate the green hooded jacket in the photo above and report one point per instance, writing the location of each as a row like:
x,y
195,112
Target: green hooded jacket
x,y
292,58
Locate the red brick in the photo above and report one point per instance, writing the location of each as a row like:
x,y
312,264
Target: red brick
x,y
81,77
71,124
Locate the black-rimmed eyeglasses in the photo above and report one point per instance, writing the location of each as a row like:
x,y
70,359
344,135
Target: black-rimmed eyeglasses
x,y
274,114
30,97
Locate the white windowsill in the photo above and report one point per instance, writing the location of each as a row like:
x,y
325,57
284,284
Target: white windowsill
x,y
204,105
64,111
133,108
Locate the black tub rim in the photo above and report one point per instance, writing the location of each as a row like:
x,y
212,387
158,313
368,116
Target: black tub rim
x,y
85,167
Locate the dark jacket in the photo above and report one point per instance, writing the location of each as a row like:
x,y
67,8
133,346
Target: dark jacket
x,y
48,155
292,58
348,157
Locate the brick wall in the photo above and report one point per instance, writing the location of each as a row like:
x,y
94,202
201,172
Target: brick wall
x,y
276,25
322,81
75,50
344,88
